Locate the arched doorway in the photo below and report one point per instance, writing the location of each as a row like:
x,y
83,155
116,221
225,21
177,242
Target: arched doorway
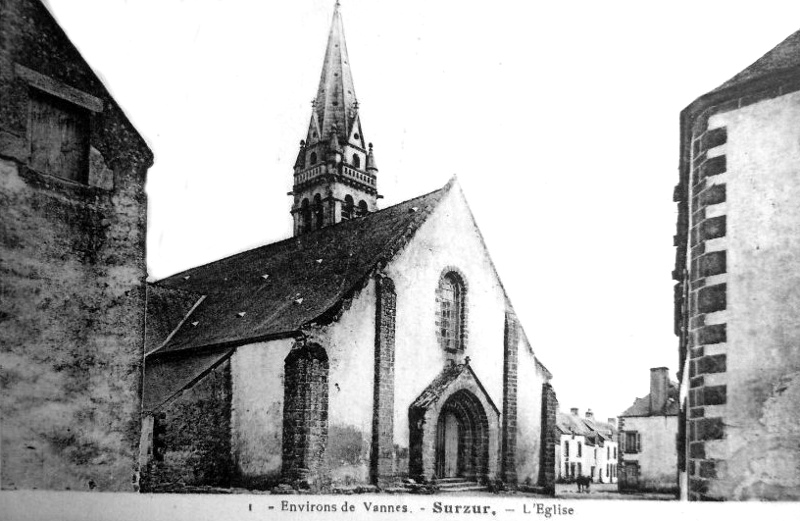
x,y
462,438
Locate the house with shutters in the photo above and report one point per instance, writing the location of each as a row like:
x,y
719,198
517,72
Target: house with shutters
x,y
648,432
371,347
586,447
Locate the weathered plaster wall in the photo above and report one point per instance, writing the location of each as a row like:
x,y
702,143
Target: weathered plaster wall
x,y
257,376
530,378
192,437
758,456
658,468
350,343
72,273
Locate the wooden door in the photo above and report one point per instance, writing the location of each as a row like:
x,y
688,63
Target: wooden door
x,y
450,448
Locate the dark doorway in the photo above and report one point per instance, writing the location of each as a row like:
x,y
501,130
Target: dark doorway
x,y
462,438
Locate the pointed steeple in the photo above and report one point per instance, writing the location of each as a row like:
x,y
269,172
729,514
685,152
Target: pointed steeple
x,y
336,96
334,175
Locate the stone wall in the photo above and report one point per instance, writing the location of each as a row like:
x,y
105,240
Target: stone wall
x,y
549,437
382,457
508,462
72,273
191,441
305,417
750,423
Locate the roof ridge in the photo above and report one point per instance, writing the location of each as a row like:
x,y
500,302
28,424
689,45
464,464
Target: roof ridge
x,y
295,239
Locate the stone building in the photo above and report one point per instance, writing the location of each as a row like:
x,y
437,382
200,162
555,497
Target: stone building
x,y
738,284
586,447
372,346
72,266
647,438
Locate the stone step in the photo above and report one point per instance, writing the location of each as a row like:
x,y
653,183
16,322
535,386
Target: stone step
x,y
470,487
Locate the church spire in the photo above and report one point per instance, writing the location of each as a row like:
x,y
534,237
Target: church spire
x,y
336,103
334,175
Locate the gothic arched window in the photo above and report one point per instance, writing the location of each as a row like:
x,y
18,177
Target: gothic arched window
x,y
348,208
356,161
313,159
362,208
305,216
450,296
317,212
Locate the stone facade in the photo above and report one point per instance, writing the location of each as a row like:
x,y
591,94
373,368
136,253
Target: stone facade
x,y
189,439
547,472
72,266
737,287
382,459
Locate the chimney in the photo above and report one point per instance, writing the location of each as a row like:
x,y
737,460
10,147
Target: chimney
x,y
589,414
659,383
574,411
612,422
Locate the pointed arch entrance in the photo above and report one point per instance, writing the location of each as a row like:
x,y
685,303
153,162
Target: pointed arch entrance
x,y
453,429
462,438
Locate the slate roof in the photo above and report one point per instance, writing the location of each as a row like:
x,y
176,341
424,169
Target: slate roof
x,y
571,424
601,431
272,291
783,57
335,103
641,406
595,432
166,308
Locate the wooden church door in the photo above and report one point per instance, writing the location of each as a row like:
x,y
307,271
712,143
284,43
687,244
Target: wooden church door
x,y
450,448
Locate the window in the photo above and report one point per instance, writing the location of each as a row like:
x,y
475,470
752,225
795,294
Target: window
x,y
317,211
59,137
580,449
633,442
615,453
566,449
362,208
348,208
356,161
608,453
313,158
305,217
451,312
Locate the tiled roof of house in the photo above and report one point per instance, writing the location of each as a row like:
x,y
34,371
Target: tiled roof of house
x,y
275,289
601,431
641,406
783,57
572,424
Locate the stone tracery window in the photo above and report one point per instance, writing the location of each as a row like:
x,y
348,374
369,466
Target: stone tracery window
x,y
450,296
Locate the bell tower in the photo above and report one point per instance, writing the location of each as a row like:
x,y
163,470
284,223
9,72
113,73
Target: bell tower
x,y
335,176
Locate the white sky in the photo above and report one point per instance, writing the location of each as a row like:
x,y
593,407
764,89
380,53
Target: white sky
x,y
559,118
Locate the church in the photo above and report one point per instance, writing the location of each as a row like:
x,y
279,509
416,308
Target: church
x,y
373,348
